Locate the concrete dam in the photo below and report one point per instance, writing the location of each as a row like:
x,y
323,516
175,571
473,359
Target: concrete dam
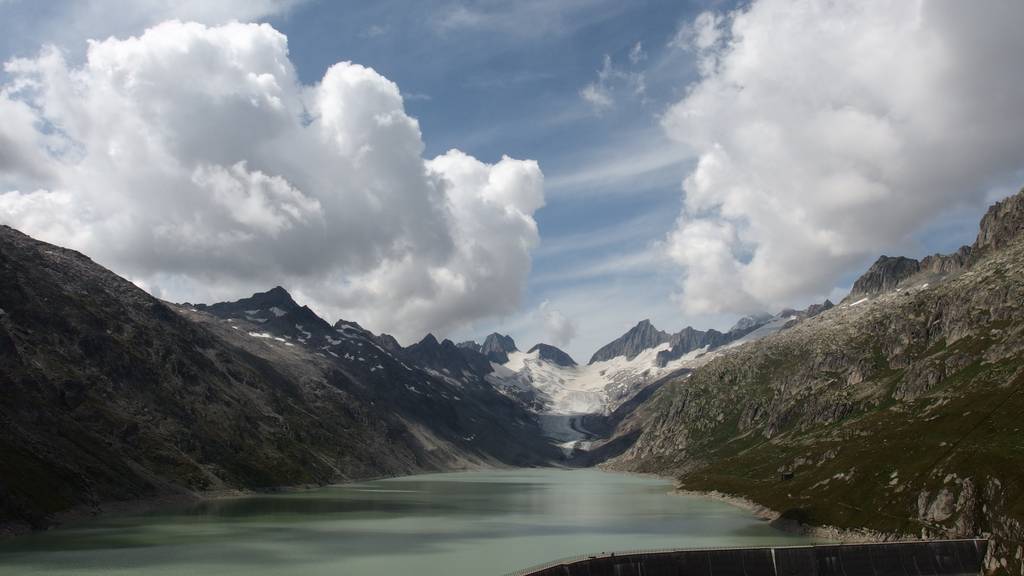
x,y
918,558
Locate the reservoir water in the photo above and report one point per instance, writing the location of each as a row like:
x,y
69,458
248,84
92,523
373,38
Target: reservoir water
x,y
467,523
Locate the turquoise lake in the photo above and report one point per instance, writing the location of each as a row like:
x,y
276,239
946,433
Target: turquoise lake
x,y
466,523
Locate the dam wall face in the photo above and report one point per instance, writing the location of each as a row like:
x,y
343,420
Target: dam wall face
x,y
936,558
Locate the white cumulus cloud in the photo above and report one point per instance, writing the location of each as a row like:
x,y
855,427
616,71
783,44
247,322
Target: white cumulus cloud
x,y
827,131
191,159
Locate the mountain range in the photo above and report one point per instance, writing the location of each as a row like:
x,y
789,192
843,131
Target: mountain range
x,y
896,410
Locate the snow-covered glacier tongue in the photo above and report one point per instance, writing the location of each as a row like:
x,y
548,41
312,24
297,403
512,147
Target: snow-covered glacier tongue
x,y
562,393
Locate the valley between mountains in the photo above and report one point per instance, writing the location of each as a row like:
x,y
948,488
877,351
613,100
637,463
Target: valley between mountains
x,y
897,411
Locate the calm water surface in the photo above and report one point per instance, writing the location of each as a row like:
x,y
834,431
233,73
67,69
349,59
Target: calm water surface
x,y
471,523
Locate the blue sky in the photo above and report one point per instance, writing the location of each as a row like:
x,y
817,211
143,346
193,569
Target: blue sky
x,y
701,159
509,83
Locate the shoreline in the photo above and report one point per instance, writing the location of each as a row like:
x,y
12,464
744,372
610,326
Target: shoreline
x,y
826,533
87,512
108,508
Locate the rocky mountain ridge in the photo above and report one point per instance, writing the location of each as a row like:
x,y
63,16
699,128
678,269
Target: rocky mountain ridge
x,y
496,347
111,394
896,412
884,275
547,381
447,358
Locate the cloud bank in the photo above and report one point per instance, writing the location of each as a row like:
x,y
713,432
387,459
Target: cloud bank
x,y
191,159
827,131
558,329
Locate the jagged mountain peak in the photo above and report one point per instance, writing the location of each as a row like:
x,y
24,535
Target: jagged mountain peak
x,y
275,313
431,341
428,340
496,347
639,338
445,356
503,342
277,292
276,298
552,354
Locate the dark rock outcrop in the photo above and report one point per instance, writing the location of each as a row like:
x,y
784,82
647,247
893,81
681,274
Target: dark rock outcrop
x,y
446,357
884,275
815,309
496,347
388,342
1000,225
276,312
946,263
553,354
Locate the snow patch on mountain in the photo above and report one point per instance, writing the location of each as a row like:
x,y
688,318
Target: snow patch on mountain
x,y
774,325
595,388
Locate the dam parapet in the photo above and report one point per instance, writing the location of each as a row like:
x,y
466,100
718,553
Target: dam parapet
x,y
914,558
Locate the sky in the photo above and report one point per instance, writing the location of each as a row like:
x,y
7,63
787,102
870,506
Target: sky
x,y
557,171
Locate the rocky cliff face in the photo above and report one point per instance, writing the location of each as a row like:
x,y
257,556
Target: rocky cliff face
x,y
899,414
1000,226
111,394
946,263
